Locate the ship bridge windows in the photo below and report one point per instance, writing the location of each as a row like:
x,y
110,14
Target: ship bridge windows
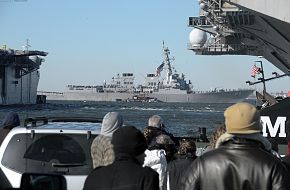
x,y
152,83
150,75
127,74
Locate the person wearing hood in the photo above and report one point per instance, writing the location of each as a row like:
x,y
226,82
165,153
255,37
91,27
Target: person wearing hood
x,y
126,172
11,120
102,149
242,158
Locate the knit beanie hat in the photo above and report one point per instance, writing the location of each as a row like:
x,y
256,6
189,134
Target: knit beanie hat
x,y
111,122
129,140
242,118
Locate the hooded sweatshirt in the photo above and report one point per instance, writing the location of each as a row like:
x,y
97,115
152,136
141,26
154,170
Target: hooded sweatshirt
x,y
102,149
11,120
111,122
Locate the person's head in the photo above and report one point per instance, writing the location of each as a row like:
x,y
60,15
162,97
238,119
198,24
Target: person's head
x,y
216,134
156,121
165,142
242,118
11,120
187,147
151,133
130,141
111,122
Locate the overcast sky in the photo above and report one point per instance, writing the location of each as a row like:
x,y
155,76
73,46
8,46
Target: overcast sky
x,y
91,41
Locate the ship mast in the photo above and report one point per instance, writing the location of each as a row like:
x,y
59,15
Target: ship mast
x,y
265,97
167,63
26,46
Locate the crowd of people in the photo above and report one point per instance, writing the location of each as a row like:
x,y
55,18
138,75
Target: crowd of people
x,y
238,156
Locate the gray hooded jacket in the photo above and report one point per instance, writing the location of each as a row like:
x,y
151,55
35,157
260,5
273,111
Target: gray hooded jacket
x,y
102,149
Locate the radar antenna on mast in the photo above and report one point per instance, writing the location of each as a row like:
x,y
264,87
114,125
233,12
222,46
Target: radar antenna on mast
x,y
26,46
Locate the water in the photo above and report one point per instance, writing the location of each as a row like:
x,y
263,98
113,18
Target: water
x,y
181,119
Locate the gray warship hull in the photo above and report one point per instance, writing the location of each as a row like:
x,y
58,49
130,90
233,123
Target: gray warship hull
x,y
206,97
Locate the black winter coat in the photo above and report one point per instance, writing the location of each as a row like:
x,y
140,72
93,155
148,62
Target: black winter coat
x,y
286,161
125,173
176,170
239,165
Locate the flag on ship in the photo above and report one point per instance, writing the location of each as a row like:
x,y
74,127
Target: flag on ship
x,y
159,69
255,70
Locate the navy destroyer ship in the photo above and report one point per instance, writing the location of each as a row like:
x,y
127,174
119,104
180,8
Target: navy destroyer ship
x,y
166,85
19,76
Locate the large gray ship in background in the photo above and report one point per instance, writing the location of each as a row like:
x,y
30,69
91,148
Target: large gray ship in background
x,y
19,76
166,85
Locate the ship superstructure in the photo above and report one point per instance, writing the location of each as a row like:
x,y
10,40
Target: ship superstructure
x,y
119,83
170,83
19,76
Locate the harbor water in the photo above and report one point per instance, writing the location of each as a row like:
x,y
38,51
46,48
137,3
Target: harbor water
x,y
181,119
